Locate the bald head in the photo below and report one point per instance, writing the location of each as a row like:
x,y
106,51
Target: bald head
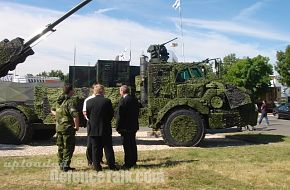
x,y
124,89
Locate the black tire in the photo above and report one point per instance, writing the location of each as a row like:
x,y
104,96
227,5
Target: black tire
x,y
14,128
43,134
191,133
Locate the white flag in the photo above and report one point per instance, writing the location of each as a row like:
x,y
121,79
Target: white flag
x,y
176,5
174,44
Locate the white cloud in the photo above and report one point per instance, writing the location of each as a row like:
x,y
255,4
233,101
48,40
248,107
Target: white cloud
x,y
249,11
102,11
237,28
101,37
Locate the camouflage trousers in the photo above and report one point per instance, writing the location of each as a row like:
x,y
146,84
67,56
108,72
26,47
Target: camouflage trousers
x,y
66,146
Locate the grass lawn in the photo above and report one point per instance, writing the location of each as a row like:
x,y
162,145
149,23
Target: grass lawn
x,y
258,166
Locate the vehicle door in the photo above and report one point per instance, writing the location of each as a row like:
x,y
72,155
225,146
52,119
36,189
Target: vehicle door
x,y
283,111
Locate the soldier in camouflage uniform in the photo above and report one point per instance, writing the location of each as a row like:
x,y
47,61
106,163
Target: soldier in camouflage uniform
x,y
67,123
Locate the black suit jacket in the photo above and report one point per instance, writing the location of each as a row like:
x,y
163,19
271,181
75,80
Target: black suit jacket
x,y
127,115
100,113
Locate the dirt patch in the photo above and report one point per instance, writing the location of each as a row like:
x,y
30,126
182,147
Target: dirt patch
x,y
144,142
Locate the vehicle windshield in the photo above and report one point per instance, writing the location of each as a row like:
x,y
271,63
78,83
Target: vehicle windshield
x,y
188,73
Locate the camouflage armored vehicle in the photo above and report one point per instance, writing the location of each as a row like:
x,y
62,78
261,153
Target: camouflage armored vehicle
x,y
176,98
181,102
22,112
25,111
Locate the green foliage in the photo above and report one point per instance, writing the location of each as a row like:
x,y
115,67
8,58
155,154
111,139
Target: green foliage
x,y
209,74
55,73
251,73
228,61
283,65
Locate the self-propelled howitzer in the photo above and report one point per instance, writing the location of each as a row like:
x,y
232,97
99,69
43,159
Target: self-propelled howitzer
x,y
16,51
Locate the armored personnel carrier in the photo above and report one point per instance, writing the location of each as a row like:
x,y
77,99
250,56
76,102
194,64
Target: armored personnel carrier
x,y
183,103
23,113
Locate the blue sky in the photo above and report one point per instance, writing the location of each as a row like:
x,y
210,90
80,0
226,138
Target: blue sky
x,y
104,28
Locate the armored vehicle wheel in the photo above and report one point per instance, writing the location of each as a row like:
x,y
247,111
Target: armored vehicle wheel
x,y
44,134
183,128
14,128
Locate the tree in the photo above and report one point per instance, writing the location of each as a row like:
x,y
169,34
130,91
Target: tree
x,y
283,66
251,73
209,72
227,62
44,74
55,73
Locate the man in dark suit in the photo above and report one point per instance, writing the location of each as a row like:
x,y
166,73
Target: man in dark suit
x,y
100,113
127,125
89,145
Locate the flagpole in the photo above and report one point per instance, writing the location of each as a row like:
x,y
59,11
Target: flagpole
x,y
181,31
130,52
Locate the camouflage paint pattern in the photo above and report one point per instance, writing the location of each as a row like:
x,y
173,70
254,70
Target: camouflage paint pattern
x,y
174,86
28,112
183,128
12,53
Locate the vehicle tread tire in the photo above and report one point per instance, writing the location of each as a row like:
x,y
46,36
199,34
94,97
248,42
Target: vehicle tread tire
x,y
26,132
165,129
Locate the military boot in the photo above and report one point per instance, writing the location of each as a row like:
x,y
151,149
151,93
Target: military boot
x,y
60,166
66,167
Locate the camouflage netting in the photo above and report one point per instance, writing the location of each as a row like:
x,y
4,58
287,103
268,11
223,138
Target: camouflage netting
x,y
138,83
9,49
224,119
159,81
183,128
190,90
45,99
114,95
143,118
29,112
11,53
156,104
183,83
10,129
248,115
237,96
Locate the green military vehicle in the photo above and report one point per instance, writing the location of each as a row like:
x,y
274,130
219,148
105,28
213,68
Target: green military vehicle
x,y
23,114
181,102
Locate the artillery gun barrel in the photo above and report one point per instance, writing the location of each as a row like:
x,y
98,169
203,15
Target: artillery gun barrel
x,y
168,41
50,27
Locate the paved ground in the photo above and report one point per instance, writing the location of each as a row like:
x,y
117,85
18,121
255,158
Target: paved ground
x,y
277,126
214,138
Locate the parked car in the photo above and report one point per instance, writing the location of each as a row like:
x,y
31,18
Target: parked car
x,y
282,111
